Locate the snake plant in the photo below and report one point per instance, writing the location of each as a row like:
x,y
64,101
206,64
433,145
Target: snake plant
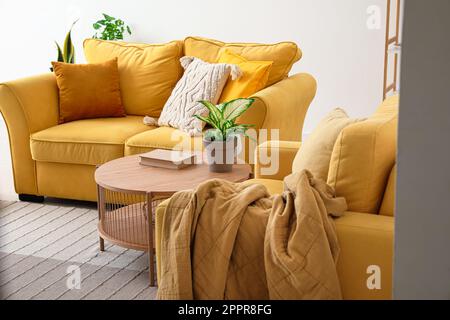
x,y
68,54
222,119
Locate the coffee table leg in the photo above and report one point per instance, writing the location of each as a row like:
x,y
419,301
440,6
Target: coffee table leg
x,y
151,254
101,208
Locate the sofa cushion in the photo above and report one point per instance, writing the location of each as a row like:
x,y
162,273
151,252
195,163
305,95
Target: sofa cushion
x,y
201,81
88,91
363,157
162,138
283,54
91,141
148,72
315,153
254,76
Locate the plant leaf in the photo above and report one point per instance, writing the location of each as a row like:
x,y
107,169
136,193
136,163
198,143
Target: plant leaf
x,y
60,54
128,30
214,112
72,56
206,120
235,108
220,106
69,49
108,17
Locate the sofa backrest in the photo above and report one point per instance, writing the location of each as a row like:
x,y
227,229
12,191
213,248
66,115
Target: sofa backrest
x,y
363,158
283,54
148,72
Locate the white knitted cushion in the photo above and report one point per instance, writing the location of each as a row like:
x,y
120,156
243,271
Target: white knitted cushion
x,y
200,81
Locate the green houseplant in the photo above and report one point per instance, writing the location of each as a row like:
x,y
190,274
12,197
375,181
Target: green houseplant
x,y
68,54
221,140
110,28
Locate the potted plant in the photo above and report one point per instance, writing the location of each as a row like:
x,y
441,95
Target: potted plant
x,y
221,140
110,28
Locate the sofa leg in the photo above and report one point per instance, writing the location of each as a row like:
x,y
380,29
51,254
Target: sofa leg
x,y
31,198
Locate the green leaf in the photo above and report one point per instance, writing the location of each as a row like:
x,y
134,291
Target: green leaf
x,y
108,18
96,26
206,120
68,48
60,54
233,109
221,106
128,30
72,57
214,112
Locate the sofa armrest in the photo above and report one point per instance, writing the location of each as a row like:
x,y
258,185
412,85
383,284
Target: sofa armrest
x,y
27,105
274,159
366,240
283,106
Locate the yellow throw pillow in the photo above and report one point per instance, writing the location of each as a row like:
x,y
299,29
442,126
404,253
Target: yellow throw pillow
x,y
254,76
148,72
363,157
283,54
88,90
315,153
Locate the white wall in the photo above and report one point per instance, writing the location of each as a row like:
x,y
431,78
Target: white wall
x,y
340,51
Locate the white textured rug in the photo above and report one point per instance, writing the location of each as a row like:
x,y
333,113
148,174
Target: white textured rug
x,y
46,248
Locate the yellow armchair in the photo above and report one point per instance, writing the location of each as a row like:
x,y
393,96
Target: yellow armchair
x,y
366,237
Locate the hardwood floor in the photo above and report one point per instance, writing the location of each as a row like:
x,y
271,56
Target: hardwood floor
x,y
41,245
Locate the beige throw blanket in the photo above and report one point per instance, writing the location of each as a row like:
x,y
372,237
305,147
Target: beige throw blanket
x,y
231,241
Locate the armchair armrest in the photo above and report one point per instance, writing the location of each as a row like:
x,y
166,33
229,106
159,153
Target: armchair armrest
x,y
366,241
27,105
274,159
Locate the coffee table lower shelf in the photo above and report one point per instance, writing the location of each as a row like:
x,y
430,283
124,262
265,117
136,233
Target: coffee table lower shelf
x,y
126,227
124,221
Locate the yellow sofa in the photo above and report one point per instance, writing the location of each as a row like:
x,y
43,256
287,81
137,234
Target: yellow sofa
x,y
59,160
363,170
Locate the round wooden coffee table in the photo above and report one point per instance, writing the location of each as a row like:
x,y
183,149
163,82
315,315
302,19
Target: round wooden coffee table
x,y
128,194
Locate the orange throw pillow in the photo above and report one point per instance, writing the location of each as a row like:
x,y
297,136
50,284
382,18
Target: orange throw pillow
x,y
88,90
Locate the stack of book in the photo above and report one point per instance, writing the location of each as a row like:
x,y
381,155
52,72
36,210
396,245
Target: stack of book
x,y
168,159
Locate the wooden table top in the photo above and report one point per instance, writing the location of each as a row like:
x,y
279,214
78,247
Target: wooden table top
x,y
127,175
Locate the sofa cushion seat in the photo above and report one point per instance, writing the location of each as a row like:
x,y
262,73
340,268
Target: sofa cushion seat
x,y
162,138
89,142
